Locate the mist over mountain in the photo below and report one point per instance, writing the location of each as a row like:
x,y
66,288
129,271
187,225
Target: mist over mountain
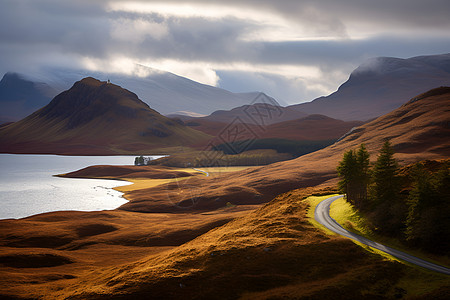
x,y
95,117
380,85
165,92
20,97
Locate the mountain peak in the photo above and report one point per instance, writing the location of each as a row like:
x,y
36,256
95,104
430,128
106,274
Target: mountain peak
x,y
91,81
90,98
95,117
380,85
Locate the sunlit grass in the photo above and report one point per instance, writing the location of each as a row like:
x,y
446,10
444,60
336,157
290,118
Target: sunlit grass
x,y
349,218
313,201
140,184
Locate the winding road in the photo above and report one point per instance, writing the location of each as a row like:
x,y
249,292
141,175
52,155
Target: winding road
x,y
204,172
322,215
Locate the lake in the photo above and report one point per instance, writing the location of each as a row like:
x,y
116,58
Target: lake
x,y
28,187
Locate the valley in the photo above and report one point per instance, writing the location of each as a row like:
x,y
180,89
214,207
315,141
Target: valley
x,y
227,214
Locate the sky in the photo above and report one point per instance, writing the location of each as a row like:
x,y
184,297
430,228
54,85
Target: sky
x,y
293,50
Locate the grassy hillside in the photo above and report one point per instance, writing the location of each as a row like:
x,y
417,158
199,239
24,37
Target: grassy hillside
x,y
273,252
95,117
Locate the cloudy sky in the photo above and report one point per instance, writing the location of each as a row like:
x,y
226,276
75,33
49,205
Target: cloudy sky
x,y
294,50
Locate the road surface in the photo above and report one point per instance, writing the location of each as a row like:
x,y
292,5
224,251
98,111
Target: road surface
x,y
322,215
204,172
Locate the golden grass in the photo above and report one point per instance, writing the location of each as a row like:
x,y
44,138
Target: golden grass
x,y
313,201
214,170
145,183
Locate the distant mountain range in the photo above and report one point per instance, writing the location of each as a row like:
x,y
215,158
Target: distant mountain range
x,y
20,97
95,118
163,91
380,85
303,128
376,87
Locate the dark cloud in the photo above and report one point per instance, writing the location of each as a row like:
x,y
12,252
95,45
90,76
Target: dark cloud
x,y
39,33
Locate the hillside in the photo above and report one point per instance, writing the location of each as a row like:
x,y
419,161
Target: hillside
x,y
418,130
20,97
95,117
311,127
381,85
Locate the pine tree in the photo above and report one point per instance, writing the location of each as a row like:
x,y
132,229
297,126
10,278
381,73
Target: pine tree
x,y
354,173
428,224
347,170
384,193
362,176
386,185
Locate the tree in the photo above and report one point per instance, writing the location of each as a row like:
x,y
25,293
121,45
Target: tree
x,y
139,161
427,223
354,172
386,185
347,172
384,193
362,176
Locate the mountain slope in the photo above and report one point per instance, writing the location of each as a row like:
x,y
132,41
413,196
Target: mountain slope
x,y
380,85
165,92
309,128
95,117
418,130
20,97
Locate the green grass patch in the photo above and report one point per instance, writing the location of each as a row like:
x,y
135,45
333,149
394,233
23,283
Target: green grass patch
x,y
349,218
416,281
344,213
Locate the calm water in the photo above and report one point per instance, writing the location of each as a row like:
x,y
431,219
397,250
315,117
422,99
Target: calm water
x,y
27,186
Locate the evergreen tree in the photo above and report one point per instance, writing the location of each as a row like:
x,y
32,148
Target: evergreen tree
x,y
362,176
386,185
354,173
428,224
388,210
347,171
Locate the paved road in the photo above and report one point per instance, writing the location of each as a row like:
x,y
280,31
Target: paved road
x,y
322,215
204,172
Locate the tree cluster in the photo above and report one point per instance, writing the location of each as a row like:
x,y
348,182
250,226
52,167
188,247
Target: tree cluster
x,y
413,206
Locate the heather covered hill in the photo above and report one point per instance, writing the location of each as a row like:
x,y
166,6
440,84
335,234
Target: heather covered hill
x,y
381,85
310,128
95,117
263,113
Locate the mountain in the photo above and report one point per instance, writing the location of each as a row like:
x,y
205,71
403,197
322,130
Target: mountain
x,y
264,112
20,97
307,128
417,130
165,92
380,85
95,117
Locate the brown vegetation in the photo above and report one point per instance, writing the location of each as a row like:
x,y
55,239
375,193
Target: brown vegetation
x,y
272,252
95,118
184,252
